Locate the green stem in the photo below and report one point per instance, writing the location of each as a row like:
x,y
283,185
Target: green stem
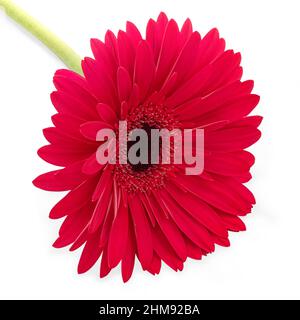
x,y
70,58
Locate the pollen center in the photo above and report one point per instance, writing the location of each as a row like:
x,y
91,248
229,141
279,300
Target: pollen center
x,y
138,167
139,176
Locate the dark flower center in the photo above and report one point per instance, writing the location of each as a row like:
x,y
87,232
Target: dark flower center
x,y
142,177
139,167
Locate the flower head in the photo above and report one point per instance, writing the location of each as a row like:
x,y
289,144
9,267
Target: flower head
x,y
172,79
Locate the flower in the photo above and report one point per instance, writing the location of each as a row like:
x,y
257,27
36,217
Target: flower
x,y
171,79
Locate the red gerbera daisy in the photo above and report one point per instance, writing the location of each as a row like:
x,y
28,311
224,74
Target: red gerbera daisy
x,y
171,79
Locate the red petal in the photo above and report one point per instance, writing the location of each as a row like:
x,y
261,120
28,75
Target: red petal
x,y
90,254
148,208
253,121
170,230
72,227
129,256
231,222
186,30
111,44
168,86
102,208
232,139
227,94
65,103
77,91
118,237
60,156
133,33
155,266
107,223
155,32
223,242
124,84
90,129
161,25
100,83
68,124
241,191
72,76
211,47
74,200
216,194
104,267
91,165
144,68
229,164
187,58
193,250
190,88
234,110
106,113
142,232
208,79
126,52
224,71
81,239
168,53
193,230
104,181
165,251
151,35
57,136
134,97
198,210
61,180
103,55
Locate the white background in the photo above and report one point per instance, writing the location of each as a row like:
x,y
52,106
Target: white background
x,y
263,262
